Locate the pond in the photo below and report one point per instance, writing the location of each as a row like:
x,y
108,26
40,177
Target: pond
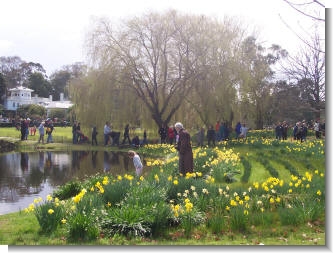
x,y
25,176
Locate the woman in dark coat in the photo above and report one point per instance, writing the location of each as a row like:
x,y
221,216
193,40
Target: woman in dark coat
x,y
184,149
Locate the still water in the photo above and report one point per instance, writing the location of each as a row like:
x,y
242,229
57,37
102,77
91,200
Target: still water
x,y
25,176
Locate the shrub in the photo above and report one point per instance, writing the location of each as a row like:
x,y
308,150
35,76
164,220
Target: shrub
x,y
238,219
217,222
81,227
133,221
83,217
49,215
68,190
293,216
115,191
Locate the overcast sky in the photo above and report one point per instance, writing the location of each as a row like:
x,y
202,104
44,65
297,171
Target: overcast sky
x,y
52,32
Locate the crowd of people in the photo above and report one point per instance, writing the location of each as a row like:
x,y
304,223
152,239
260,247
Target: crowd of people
x,y
221,132
175,135
112,137
299,130
44,127
168,134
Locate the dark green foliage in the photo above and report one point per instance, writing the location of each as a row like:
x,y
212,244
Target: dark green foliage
x,y
238,221
265,162
115,192
247,169
127,221
143,212
68,190
217,223
293,217
288,166
82,228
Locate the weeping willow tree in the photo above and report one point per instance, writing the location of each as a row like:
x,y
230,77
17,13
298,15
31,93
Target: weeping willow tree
x,y
161,68
214,94
153,57
214,97
168,59
97,98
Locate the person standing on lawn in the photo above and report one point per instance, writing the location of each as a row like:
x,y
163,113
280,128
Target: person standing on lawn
x,y
41,132
184,148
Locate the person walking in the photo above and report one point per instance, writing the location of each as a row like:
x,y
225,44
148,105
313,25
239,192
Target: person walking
x,y
41,131
27,122
238,129
171,135
23,129
184,148
201,137
217,130
284,130
278,131
107,131
74,132
162,131
304,130
211,136
94,136
222,130
49,131
144,140
316,128
126,135
244,131
78,133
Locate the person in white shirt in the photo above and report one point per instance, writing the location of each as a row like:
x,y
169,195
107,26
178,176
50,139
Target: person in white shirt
x,y
136,161
107,132
243,130
316,128
41,132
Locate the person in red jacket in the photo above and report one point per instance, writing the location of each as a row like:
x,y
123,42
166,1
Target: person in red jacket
x,y
171,134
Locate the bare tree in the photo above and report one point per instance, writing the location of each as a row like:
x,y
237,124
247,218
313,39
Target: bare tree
x,y
307,71
314,11
307,8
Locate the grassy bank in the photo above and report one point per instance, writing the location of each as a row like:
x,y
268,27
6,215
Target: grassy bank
x,y
23,229
258,191
62,138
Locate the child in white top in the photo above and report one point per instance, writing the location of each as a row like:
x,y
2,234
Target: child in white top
x,y
136,161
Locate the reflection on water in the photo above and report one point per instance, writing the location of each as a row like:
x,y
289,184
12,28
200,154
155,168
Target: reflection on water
x,y
25,176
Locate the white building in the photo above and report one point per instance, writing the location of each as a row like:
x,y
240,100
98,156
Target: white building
x,y
18,96
22,96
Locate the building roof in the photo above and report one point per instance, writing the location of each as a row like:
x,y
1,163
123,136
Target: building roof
x,y
58,105
21,88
